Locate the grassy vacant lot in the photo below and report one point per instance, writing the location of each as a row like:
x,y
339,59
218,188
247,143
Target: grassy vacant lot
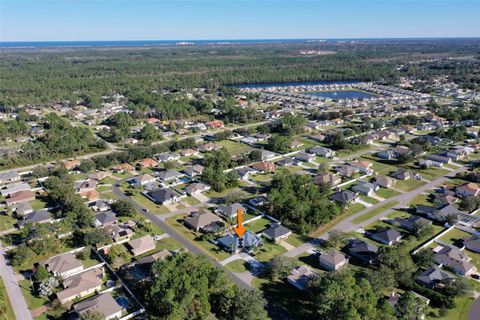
x,y
354,208
6,222
296,240
387,193
422,199
431,173
372,213
7,308
409,185
237,266
235,148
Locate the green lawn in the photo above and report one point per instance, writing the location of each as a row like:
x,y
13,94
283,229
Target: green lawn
x,y
460,312
354,208
123,175
39,203
33,301
146,203
209,248
258,225
191,200
421,199
369,200
234,148
6,222
387,193
101,188
296,240
109,196
409,185
268,251
5,302
168,244
372,213
432,173
262,177
237,266
454,235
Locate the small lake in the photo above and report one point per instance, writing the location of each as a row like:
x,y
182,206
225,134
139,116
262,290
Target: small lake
x,y
289,84
342,94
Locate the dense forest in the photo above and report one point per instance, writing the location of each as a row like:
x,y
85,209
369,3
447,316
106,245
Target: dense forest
x,y
86,74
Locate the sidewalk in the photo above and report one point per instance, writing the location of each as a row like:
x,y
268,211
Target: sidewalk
x,y
19,305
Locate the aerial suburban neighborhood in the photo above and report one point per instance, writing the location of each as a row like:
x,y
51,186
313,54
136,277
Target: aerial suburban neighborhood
x,y
253,180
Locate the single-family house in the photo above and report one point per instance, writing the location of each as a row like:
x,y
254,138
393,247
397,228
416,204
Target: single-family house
x,y
194,170
100,175
439,158
322,152
304,157
277,232
22,209
164,196
386,154
266,155
80,285
412,223
345,197
362,250
454,259
149,163
167,156
63,265
264,166
300,277
196,188
141,245
231,210
123,167
333,260
386,236
143,180
20,197
105,219
104,304
285,162
202,220
384,181
364,167
434,278
71,164
472,243
365,188
14,187
468,189
327,178
169,175
188,152
402,174
215,124
40,216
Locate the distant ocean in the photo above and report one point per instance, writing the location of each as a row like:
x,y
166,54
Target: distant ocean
x,y
144,43
150,43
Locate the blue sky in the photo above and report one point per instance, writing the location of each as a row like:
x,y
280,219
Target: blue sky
x,y
63,20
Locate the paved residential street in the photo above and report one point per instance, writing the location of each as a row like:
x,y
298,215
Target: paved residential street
x,y
17,301
347,225
242,282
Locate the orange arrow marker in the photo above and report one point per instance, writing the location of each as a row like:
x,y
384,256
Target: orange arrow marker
x,y
239,229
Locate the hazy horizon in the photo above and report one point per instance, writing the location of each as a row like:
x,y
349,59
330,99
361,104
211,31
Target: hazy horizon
x,y
124,20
